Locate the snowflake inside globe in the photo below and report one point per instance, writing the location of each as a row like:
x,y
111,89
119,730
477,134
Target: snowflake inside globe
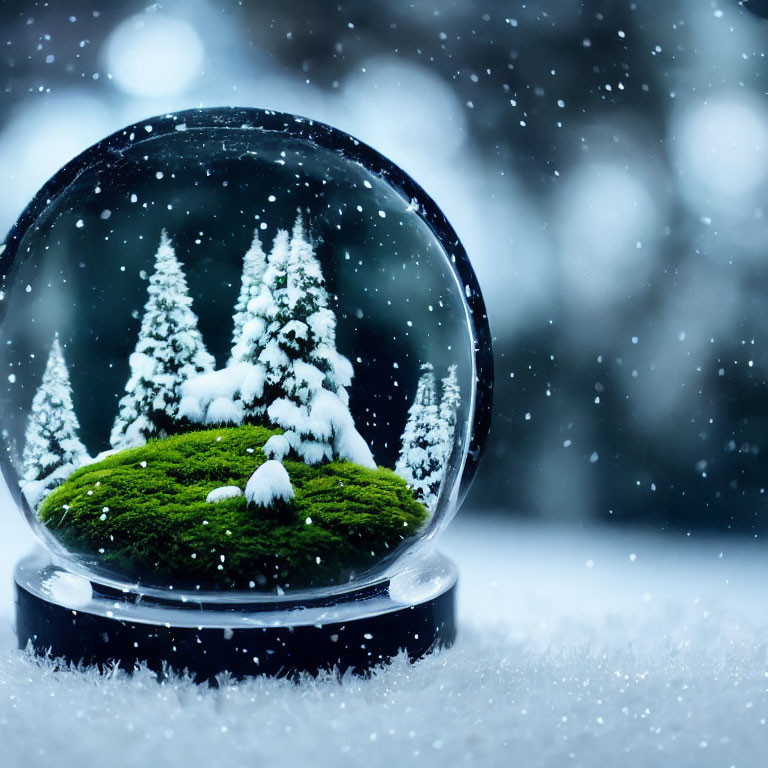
x,y
234,358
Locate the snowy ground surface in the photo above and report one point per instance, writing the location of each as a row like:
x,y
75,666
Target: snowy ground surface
x,y
572,653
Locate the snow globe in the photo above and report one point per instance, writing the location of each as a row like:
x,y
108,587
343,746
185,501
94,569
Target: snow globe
x,y
246,381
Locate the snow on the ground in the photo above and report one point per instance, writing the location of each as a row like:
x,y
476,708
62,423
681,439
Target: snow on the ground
x,y
269,483
577,648
223,492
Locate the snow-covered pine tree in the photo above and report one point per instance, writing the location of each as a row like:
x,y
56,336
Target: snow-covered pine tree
x,y
306,377
308,299
449,404
268,313
52,440
169,351
285,338
254,266
420,462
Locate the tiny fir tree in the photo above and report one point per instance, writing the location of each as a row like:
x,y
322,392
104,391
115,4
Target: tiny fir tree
x,y
308,300
420,462
52,440
169,351
277,347
266,311
306,377
449,405
295,321
254,266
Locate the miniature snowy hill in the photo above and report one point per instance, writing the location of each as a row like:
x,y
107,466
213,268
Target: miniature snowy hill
x,y
167,512
284,371
284,377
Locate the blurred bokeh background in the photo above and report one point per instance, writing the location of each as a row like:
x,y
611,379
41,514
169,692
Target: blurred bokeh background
x,y
604,162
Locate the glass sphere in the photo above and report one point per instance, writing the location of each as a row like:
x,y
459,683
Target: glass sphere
x,y
240,351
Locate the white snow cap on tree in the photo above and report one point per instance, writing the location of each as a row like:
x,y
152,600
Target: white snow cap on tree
x,y
268,484
169,351
254,266
277,447
421,462
51,438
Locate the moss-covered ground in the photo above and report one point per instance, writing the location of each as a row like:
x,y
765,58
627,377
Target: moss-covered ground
x,y
142,512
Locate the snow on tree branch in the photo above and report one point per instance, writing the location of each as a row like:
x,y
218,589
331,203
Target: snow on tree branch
x,y
254,266
169,351
448,410
428,437
52,445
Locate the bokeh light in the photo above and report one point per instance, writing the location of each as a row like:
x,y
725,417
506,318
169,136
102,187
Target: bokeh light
x,y
384,87
40,137
152,54
608,222
720,148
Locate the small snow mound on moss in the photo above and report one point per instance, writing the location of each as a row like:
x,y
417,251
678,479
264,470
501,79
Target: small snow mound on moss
x,y
269,483
277,447
224,492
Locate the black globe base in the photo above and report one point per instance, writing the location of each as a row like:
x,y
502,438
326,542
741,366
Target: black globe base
x,y
64,616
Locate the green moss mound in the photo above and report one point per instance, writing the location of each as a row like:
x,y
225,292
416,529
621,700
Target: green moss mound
x,y
143,513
